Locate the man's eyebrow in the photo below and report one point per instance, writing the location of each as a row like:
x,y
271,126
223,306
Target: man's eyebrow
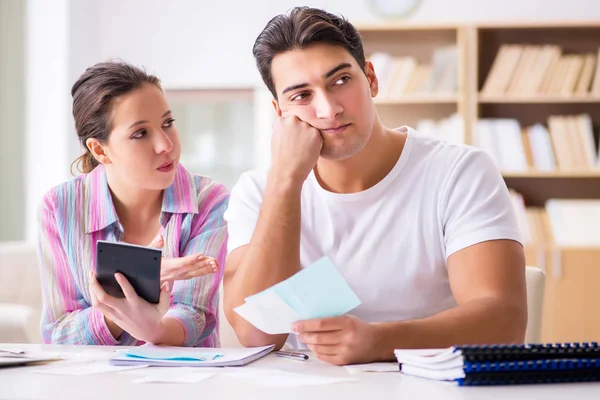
x,y
336,69
143,122
294,87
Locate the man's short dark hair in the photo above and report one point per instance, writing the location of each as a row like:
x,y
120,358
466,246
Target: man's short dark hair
x,y
301,28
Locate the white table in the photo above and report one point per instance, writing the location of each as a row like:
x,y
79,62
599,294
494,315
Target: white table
x,y
21,383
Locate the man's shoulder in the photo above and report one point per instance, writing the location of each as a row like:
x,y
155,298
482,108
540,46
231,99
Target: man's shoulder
x,y
251,183
442,155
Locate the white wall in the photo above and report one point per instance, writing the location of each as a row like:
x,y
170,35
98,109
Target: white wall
x,y
208,44
48,121
82,52
12,119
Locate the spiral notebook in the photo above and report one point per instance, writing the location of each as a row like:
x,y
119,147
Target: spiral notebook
x,y
505,364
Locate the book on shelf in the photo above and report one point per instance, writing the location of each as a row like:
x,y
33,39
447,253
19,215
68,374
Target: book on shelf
x,y
451,129
561,222
530,70
404,76
567,144
595,90
574,222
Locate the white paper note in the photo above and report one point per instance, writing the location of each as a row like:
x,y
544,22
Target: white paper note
x,y
268,313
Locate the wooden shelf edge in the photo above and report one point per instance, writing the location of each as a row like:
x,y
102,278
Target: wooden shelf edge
x,y
556,247
591,173
537,24
420,99
537,99
404,26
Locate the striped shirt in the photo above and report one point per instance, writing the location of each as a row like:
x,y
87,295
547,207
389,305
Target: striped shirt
x,y
75,215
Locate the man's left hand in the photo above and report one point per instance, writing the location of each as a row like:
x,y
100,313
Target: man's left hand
x,y
339,340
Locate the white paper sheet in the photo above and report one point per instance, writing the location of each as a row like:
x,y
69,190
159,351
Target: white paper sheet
x,y
272,377
373,367
79,369
193,377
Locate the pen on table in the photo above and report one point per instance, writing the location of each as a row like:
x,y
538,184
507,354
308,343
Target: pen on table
x,y
291,354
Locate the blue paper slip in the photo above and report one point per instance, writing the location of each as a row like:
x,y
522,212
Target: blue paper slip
x,y
154,353
317,291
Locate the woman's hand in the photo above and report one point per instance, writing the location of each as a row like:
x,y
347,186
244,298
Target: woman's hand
x,y
183,268
136,316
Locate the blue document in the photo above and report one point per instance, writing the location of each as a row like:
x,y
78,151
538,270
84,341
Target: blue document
x,y
317,291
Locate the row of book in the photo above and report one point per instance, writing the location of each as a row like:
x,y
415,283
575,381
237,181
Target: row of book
x,y
401,76
450,129
561,222
529,70
567,143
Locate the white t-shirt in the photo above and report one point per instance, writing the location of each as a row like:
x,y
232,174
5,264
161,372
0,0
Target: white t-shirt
x,y
391,241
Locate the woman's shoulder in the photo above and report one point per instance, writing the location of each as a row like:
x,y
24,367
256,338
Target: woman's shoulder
x,y
63,193
195,191
210,192
207,184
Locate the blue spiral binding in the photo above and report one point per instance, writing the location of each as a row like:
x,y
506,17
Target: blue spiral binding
x,y
528,377
528,352
535,365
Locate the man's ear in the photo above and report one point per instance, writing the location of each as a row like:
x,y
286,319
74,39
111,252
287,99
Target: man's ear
x,y
99,152
276,107
372,78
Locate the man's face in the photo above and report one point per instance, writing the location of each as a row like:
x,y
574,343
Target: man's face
x,y
325,87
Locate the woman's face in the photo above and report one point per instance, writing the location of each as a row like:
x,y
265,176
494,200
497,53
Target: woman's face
x,y
143,147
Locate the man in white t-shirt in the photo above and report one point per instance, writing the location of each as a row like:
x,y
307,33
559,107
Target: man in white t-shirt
x,y
421,229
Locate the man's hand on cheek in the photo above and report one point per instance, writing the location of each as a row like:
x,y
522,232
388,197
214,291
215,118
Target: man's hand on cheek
x,y
339,340
295,147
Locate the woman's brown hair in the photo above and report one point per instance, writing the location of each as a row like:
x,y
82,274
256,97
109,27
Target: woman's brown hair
x,y
94,94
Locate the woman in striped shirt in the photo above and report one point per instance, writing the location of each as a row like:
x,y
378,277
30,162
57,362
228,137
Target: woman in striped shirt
x,y
133,189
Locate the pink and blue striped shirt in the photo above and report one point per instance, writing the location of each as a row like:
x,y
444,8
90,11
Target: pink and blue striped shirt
x,y
78,213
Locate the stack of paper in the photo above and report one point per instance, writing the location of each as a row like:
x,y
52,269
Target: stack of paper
x,y
14,357
317,291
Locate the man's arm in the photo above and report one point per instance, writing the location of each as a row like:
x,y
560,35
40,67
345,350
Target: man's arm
x,y
272,256
273,253
488,283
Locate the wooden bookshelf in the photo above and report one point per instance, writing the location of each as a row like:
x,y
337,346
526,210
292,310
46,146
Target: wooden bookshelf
x,y
571,271
419,42
572,39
